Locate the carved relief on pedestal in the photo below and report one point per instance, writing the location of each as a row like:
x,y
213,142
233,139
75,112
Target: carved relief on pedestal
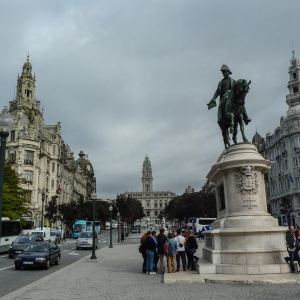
x,y
246,181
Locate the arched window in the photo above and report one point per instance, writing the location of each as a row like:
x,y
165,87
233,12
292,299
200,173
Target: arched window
x,y
148,213
155,213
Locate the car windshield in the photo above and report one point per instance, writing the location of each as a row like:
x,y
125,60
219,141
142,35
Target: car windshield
x,y
37,248
86,235
52,233
38,233
23,239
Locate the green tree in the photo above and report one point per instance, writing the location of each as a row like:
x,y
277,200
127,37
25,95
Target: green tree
x,y
51,210
68,212
15,203
130,209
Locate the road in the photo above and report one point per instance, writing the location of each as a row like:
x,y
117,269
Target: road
x,y
11,280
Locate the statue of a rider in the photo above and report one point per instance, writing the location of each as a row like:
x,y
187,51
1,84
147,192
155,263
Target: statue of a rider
x,y
223,90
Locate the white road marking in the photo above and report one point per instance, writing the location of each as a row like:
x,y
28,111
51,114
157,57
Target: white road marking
x,y
74,253
6,268
104,242
4,256
65,250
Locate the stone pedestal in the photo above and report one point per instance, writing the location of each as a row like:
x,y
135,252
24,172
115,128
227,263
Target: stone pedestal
x,y
245,238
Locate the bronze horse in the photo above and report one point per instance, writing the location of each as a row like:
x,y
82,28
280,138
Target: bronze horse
x,y
232,112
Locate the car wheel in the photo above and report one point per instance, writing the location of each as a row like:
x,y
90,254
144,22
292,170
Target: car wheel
x,y
58,260
10,256
96,246
77,248
47,265
17,267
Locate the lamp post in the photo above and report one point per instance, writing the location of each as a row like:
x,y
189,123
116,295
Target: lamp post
x,y
43,202
6,125
118,214
110,216
93,198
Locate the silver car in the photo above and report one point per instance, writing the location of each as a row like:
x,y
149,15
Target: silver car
x,y
85,240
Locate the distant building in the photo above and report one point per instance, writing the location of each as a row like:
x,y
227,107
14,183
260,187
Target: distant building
x,y
189,190
153,202
283,147
39,154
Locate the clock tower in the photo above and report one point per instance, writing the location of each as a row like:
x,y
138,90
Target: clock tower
x,y
147,179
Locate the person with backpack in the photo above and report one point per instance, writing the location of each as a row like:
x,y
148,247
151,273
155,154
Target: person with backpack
x,y
181,250
161,240
172,254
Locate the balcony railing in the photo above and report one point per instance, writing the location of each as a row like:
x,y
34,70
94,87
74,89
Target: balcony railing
x,y
28,161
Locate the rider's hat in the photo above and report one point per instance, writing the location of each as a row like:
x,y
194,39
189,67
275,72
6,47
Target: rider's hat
x,y
225,68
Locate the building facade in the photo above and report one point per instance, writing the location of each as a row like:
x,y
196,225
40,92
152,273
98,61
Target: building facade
x,y
153,202
38,152
283,147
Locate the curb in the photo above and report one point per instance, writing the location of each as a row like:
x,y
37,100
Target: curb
x,y
45,279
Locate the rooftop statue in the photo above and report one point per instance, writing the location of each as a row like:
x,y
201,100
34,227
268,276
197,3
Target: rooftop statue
x,y
231,111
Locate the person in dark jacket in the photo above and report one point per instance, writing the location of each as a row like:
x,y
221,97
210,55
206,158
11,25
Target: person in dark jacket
x,y
291,247
150,247
142,241
161,239
191,245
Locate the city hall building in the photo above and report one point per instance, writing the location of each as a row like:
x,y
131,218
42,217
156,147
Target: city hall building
x,y
153,202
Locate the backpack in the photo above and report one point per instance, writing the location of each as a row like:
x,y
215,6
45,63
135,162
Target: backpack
x,y
166,246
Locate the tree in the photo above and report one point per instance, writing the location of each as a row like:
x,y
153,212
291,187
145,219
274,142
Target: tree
x,y
130,209
15,203
199,204
286,207
51,210
68,212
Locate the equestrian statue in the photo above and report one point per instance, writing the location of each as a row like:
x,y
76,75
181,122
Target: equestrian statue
x,y
231,111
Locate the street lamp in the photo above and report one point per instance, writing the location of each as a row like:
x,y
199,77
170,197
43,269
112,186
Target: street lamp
x,y
6,125
118,214
93,198
43,201
110,215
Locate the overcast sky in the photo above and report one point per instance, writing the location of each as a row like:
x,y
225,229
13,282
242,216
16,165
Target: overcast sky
x,y
130,78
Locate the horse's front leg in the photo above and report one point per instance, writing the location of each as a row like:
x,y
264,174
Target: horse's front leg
x,y
241,122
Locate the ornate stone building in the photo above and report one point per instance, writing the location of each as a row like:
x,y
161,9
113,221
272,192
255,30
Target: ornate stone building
x,y
39,153
153,202
283,147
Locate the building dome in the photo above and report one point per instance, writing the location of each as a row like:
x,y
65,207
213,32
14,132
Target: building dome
x,y
257,139
147,160
84,163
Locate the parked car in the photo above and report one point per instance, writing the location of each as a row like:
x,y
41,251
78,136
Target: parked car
x,y
21,242
38,255
55,236
136,229
85,240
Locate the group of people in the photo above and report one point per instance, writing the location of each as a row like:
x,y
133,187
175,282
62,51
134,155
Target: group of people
x,y
175,247
68,234
292,237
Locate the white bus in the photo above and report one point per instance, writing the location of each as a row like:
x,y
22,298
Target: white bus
x,y
10,230
198,225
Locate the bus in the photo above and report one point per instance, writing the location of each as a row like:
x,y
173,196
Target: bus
x,y
198,225
78,226
10,230
83,225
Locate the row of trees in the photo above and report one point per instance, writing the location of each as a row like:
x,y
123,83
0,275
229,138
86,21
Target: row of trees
x,y
130,210
199,204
